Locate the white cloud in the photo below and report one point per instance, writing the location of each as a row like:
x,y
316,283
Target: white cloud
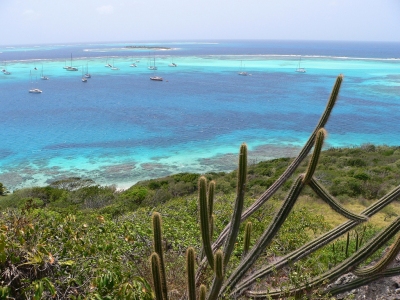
x,y
105,9
30,14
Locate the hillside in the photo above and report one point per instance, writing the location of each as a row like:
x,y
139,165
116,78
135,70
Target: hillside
x,y
75,239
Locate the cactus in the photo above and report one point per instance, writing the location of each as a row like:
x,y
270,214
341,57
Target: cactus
x,y
205,221
156,272
247,236
239,281
191,282
237,213
157,245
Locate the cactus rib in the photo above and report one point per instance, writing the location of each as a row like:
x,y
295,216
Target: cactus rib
x,y
331,201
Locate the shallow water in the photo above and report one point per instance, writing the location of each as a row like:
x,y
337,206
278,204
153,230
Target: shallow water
x,y
120,127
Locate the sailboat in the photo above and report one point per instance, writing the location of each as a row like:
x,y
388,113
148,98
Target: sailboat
x,y
172,64
87,74
71,68
107,65
5,72
153,67
34,90
133,65
299,69
113,67
84,79
241,72
42,76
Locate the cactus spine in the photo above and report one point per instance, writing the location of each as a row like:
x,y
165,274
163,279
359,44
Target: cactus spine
x,y
191,284
157,244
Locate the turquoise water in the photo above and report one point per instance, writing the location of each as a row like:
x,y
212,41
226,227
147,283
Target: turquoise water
x,y
120,127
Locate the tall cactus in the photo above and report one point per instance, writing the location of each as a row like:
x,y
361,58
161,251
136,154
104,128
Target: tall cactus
x,y
205,221
191,282
157,245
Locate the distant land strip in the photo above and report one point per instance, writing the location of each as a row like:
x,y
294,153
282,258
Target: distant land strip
x,y
148,47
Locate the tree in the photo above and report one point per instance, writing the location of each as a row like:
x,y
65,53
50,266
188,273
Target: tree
x,y
3,190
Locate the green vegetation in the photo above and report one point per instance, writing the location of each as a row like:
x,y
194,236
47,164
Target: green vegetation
x,y
187,236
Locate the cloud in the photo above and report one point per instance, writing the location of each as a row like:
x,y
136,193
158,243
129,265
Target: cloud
x,y
30,14
105,9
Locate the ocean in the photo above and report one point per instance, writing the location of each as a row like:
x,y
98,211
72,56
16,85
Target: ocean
x,y
120,127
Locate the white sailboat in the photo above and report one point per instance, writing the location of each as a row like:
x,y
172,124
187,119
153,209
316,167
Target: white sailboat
x,y
153,67
84,79
113,67
71,68
241,72
34,90
300,69
42,76
87,74
5,72
172,64
107,65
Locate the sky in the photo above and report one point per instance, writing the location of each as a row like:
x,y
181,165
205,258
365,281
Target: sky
x,y
75,21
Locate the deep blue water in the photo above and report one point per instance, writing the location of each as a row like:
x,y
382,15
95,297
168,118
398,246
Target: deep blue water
x,y
120,127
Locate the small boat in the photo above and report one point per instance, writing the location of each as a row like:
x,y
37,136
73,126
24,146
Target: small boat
x,y
84,79
71,68
133,65
113,67
35,91
242,73
42,76
153,67
299,69
172,64
107,65
5,72
156,78
87,74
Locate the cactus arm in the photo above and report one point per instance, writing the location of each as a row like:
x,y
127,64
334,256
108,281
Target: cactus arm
x,y
267,236
203,292
218,275
331,201
292,167
204,221
157,244
361,281
156,272
191,284
316,243
319,141
345,266
247,237
237,212
382,263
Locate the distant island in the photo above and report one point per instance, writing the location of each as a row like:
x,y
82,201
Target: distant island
x,y
148,47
